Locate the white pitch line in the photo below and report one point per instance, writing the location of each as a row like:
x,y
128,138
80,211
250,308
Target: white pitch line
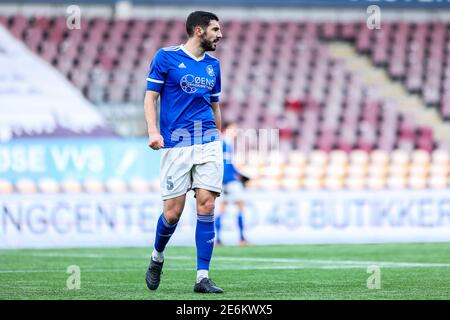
x,y
219,268
308,262
285,263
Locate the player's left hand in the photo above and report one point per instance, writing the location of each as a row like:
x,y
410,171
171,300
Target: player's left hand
x,y
156,141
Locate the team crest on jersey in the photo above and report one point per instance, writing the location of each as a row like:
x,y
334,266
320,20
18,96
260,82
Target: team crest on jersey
x,y
210,70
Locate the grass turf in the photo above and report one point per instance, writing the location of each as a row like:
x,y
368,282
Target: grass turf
x,y
408,271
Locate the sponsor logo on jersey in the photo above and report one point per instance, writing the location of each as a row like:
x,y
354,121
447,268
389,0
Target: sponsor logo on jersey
x,y
191,84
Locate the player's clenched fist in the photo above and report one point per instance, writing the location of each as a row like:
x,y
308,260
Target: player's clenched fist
x,y
155,141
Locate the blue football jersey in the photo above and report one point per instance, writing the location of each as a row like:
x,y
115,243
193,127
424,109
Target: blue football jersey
x,y
187,87
229,170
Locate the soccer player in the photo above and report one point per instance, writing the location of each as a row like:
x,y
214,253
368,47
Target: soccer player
x,y
233,186
187,79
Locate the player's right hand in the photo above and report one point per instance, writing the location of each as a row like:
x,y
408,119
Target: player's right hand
x,y
156,141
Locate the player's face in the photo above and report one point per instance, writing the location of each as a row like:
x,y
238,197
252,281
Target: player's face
x,y
210,36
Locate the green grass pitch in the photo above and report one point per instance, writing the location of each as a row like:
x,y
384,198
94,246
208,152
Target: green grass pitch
x,y
407,271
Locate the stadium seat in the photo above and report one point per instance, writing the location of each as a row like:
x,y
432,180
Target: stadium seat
x,y
355,183
48,185
313,183
376,183
334,130
440,157
359,157
315,171
297,158
270,184
338,157
400,157
93,185
318,158
6,187
397,182
379,157
71,186
438,182
139,185
274,171
291,183
115,185
420,157
357,170
334,182
25,185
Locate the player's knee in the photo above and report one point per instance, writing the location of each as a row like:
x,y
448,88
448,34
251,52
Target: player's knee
x,y
172,215
206,205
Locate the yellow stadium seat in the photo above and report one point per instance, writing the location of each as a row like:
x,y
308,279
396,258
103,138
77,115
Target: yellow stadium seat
x,y
297,157
251,171
417,182
294,171
379,158
48,185
291,184
315,171
398,170
270,184
376,183
93,186
437,170
354,183
155,185
438,182
71,186
313,183
139,185
338,157
334,183
377,170
418,170
357,170
359,157
276,158
336,170
420,157
272,171
255,158
26,186
115,185
253,184
6,187
400,157
440,157
318,158
397,182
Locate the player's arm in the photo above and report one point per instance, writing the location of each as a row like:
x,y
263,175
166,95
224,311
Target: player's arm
x,y
155,82
215,99
217,114
155,140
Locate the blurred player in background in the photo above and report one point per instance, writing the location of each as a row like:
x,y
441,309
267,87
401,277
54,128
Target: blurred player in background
x,y
233,184
188,80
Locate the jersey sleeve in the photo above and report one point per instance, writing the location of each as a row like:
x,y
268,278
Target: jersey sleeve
x,y
158,72
217,86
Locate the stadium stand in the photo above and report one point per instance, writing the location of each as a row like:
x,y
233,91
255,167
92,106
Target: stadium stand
x,y
42,102
336,131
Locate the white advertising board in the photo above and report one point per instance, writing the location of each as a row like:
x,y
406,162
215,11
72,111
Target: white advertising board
x,y
65,220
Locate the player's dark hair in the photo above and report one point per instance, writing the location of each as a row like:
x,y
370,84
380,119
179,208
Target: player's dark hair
x,y
199,18
226,124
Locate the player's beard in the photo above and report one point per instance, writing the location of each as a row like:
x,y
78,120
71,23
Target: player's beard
x,y
207,45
